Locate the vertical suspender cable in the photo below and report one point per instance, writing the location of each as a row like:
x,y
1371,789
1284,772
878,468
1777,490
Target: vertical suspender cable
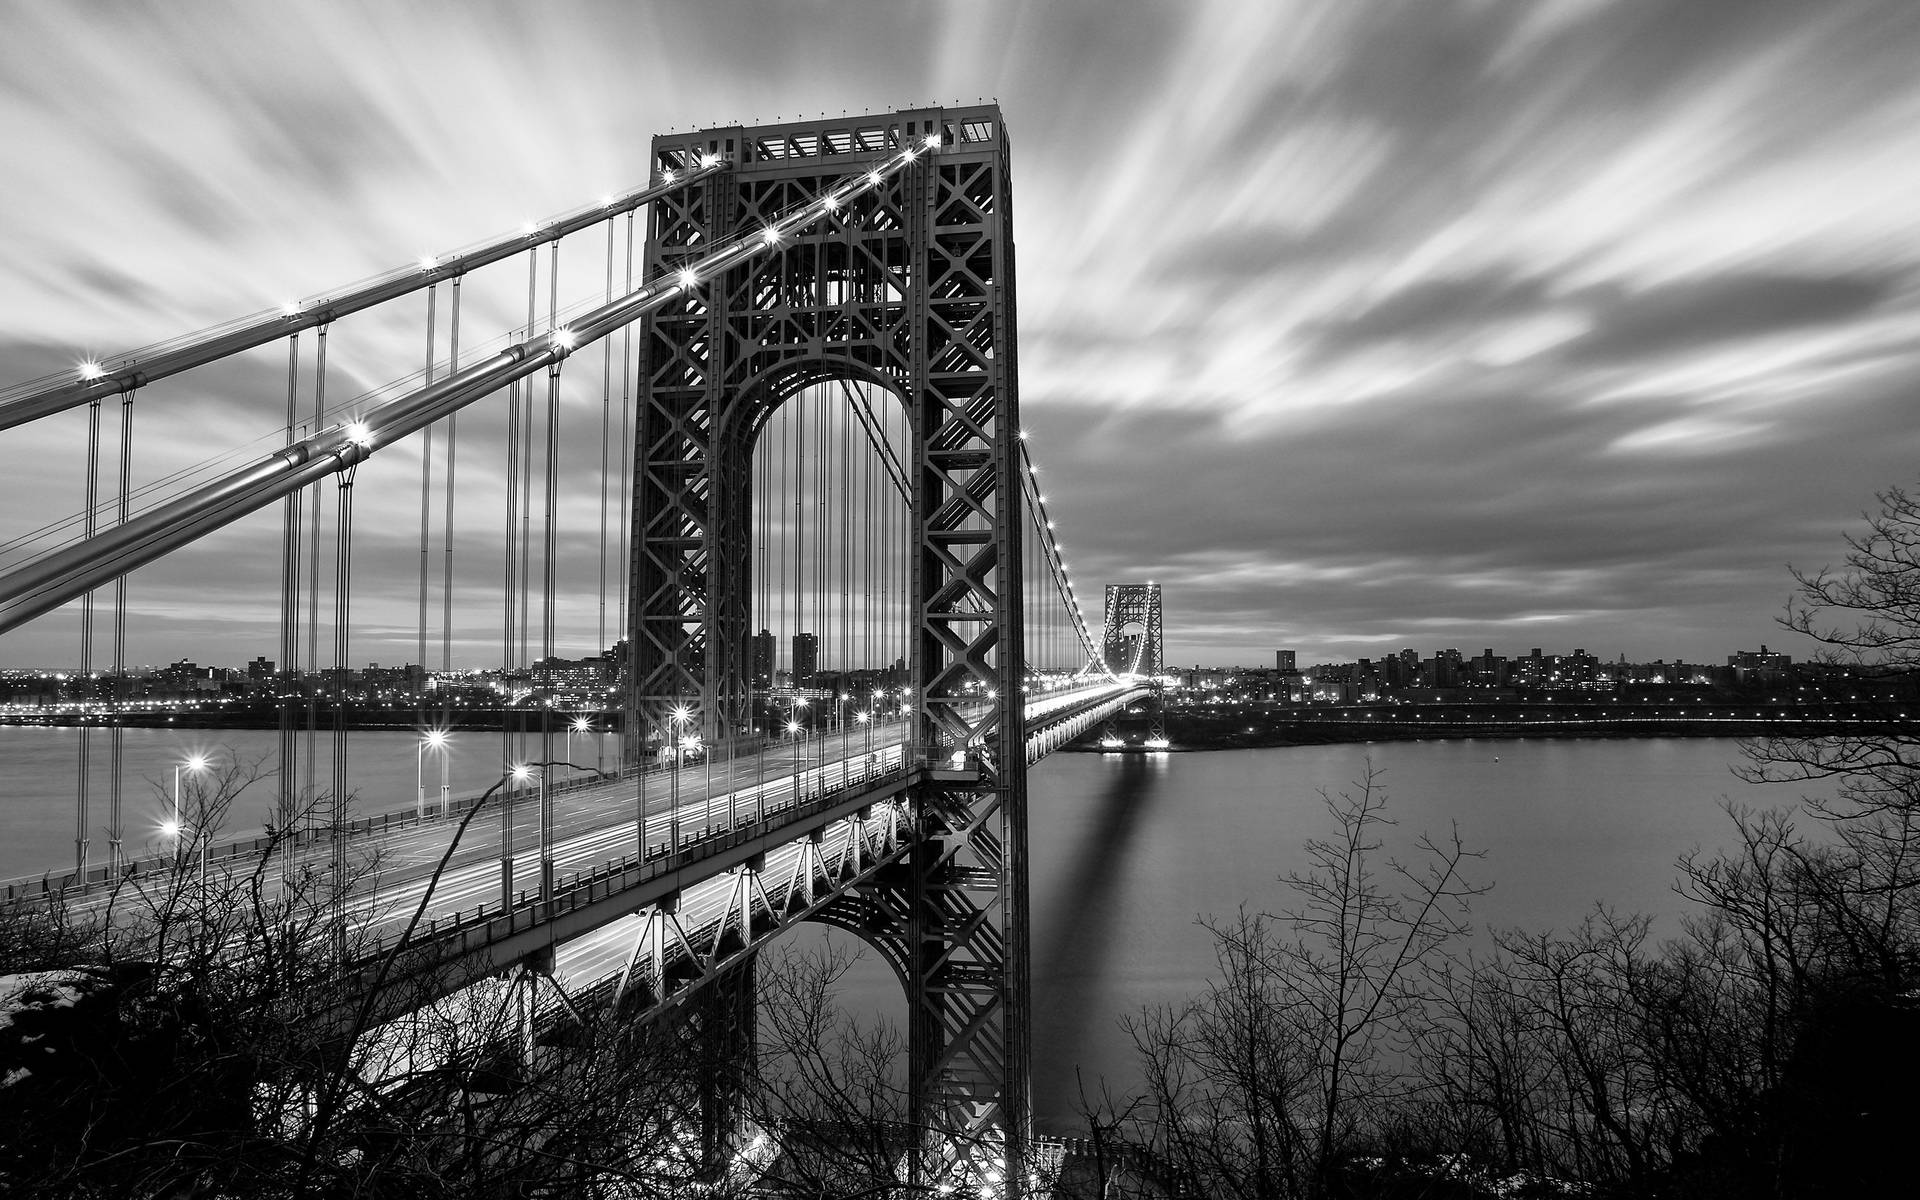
x,y
508,575
762,580
606,438
290,534
115,857
526,483
446,557
426,502
342,632
866,569
546,583
823,518
780,539
846,552
313,562
626,463
336,811
548,578
80,821
799,532
446,530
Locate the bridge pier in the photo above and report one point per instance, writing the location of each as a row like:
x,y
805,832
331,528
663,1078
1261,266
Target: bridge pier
x,y
719,1035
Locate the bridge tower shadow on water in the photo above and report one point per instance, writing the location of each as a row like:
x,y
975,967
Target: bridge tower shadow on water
x,y
909,289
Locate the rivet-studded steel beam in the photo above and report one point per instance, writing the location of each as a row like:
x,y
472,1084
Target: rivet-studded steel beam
x,y
912,289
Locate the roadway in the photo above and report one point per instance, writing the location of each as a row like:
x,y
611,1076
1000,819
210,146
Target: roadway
x,y
838,828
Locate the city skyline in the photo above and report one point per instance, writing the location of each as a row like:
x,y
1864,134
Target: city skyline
x,y
1287,663
1358,326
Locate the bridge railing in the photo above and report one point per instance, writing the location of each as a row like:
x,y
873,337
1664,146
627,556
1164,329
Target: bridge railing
x,y
1059,730
465,931
32,886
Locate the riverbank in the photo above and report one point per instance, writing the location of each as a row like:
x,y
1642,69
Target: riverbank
x,y
267,716
1252,727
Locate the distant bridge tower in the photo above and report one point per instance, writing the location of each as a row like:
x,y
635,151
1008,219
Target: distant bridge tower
x,y
908,285
1133,641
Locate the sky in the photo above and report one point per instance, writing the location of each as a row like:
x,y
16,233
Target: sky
x,y
1356,325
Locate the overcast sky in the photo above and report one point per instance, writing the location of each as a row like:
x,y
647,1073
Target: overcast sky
x,y
1357,325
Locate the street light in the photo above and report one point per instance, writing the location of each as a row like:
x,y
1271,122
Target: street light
x,y
177,828
518,775
866,722
674,718
580,725
435,739
793,731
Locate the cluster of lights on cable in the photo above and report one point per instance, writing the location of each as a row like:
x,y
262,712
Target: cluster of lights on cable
x,y
562,341
1055,555
431,267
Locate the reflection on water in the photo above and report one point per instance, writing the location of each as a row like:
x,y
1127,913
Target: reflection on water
x,y
1071,937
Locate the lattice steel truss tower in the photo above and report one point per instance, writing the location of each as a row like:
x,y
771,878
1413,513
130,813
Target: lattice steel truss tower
x,y
910,287
1133,604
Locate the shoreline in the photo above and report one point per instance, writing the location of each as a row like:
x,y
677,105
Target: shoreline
x,y
1189,733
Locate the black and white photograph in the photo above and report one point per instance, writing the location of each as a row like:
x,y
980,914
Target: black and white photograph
x,y
1029,599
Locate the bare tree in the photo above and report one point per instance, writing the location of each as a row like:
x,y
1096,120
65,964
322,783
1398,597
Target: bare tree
x,y
1268,1082
1866,616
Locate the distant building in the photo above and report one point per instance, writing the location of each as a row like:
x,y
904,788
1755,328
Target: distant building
x,y
1283,660
1758,666
760,658
806,658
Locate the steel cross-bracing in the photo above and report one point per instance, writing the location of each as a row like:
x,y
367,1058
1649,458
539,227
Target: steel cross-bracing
x,y
1133,644
908,287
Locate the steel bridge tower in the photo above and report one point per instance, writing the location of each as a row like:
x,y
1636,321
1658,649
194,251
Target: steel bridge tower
x,y
909,286
1136,604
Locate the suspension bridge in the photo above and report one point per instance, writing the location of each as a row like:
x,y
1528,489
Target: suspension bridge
x,y
759,444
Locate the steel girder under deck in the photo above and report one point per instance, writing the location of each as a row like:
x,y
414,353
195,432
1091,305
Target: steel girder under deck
x,y
911,287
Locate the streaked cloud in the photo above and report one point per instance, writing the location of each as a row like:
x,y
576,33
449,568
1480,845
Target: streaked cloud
x,y
1354,322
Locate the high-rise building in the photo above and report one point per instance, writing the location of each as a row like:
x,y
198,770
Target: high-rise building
x,y
761,659
1283,660
806,658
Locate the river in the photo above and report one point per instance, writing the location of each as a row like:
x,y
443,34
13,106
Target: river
x,y
1127,851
